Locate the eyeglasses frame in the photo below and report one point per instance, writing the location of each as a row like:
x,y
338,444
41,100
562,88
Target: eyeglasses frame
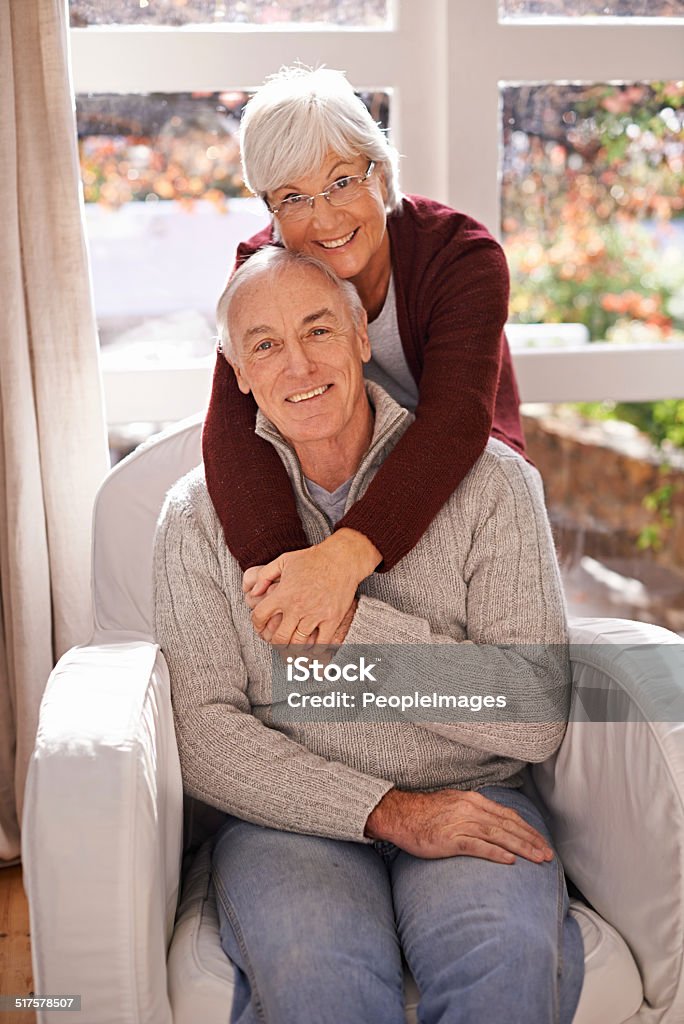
x,y
325,194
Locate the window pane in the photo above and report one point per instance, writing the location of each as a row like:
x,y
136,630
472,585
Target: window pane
x,y
616,503
593,207
348,13
166,207
591,8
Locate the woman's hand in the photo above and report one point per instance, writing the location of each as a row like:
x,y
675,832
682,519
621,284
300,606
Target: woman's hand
x,y
315,589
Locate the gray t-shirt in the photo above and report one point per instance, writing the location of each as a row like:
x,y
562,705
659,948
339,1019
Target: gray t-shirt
x,y
388,366
331,503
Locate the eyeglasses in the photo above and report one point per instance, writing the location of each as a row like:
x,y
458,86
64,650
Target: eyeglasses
x,y
341,192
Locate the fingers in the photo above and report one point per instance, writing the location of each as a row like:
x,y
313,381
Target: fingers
x,y
271,627
470,846
252,601
510,820
285,633
326,633
517,826
288,629
249,578
510,841
266,607
258,578
304,631
486,837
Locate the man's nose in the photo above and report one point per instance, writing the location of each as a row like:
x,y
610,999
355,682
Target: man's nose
x,y
299,359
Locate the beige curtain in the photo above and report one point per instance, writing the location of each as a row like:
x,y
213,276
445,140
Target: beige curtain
x,y
52,436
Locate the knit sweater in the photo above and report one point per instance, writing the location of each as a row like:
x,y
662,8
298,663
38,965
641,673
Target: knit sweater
x,y
484,571
451,282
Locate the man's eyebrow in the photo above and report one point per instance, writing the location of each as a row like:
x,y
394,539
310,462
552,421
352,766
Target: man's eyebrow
x,y
258,329
320,314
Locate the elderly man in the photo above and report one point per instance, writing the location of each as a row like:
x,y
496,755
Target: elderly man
x,y
350,842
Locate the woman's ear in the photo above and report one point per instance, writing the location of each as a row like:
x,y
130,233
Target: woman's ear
x,y
382,178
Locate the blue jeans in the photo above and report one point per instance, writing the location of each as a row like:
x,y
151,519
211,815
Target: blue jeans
x,y
316,929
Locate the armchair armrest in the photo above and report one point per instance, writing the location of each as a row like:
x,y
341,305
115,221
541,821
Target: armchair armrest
x,y
615,793
102,833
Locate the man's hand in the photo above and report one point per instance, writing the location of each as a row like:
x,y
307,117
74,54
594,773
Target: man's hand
x,y
450,822
316,589
343,628
274,622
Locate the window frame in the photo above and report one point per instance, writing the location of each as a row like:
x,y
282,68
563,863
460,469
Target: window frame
x,y
460,53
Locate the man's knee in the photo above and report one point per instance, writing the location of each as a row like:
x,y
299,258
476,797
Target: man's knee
x,y
330,986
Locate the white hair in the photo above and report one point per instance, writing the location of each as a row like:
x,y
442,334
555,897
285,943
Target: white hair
x,y
297,116
273,259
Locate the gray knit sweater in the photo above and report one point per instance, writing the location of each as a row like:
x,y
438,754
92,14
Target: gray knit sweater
x,y
485,571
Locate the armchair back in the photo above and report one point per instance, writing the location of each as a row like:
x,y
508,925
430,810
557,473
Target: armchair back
x,y
125,516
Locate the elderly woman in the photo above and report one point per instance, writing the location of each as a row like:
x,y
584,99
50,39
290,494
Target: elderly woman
x,y
434,284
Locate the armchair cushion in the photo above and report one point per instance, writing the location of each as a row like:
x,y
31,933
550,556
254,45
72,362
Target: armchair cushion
x,y
201,976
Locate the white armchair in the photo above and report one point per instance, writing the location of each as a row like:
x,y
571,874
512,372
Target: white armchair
x,y
107,834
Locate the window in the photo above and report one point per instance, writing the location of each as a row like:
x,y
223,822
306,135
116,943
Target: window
x,y
166,207
592,8
592,204
365,13
615,504
175,82
455,73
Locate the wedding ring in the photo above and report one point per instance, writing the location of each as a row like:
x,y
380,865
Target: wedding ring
x,y
304,636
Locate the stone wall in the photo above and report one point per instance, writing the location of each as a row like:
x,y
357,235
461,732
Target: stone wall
x,y
596,476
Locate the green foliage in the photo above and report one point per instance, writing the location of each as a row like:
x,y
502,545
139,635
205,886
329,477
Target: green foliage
x,y
659,502
661,421
584,167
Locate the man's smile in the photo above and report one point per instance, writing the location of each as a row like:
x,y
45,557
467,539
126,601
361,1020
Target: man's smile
x,y
303,396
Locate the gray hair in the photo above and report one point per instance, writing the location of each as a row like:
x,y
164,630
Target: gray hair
x,y
274,259
295,119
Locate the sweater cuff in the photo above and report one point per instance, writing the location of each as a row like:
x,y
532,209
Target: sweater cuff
x,y
375,622
286,535
376,791
393,540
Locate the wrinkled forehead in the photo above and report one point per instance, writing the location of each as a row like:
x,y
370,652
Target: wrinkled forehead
x,y
302,172
274,295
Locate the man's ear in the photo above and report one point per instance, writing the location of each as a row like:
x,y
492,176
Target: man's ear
x,y
239,376
362,335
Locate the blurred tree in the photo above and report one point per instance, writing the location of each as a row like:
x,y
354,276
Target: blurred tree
x,y
593,219
588,8
593,186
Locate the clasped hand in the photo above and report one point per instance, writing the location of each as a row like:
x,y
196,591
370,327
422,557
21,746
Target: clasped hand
x,y
309,596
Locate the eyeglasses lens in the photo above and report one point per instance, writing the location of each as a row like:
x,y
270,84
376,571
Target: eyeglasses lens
x,y
335,196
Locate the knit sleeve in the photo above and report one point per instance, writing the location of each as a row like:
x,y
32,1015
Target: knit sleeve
x,y
247,482
229,759
464,303
516,625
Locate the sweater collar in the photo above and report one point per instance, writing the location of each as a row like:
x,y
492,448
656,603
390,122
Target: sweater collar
x,y
390,422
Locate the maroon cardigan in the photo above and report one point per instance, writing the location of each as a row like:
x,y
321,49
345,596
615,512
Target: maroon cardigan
x,y
451,284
